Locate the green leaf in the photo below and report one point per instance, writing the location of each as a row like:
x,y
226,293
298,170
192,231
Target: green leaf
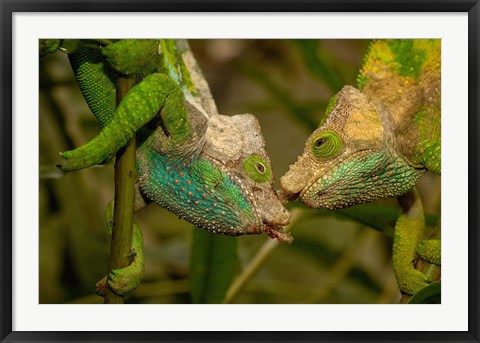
x,y
213,263
432,294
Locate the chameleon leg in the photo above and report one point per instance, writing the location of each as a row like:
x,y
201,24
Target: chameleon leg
x,y
126,280
408,234
142,103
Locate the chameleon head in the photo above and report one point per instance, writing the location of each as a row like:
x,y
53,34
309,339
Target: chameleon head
x,y
349,159
235,145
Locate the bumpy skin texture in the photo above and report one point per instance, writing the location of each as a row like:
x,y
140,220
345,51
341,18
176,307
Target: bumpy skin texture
x,y
376,141
209,169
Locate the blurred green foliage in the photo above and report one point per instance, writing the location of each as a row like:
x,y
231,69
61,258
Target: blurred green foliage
x,y
335,257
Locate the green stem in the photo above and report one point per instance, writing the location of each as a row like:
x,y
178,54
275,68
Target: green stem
x,y
123,203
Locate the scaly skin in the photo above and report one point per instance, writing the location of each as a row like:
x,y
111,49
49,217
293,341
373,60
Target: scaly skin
x,y
210,169
375,142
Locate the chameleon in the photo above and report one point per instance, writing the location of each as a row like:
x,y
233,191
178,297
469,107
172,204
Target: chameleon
x,y
375,141
210,169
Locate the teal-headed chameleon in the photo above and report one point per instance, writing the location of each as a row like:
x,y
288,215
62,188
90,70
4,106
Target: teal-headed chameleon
x,y
210,169
376,141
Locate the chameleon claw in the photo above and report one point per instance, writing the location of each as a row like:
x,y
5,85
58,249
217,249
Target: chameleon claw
x,y
123,281
101,287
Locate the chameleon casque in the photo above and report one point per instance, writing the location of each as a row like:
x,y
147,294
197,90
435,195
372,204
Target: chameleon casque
x,y
376,141
210,169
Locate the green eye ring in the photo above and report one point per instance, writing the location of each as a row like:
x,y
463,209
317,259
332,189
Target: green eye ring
x,y
257,169
326,144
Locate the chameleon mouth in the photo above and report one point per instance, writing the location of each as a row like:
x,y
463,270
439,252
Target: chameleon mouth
x,y
318,198
277,232
327,191
315,189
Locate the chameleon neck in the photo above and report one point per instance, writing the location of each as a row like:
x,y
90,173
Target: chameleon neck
x,y
402,79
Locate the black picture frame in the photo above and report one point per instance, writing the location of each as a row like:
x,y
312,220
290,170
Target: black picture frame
x,y
8,7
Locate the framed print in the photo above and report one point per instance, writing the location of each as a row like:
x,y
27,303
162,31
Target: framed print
x,y
263,171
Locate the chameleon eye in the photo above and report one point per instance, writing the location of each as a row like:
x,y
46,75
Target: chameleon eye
x,y
326,144
257,169
319,142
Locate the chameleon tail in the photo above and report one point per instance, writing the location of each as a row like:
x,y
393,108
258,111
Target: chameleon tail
x,y
142,103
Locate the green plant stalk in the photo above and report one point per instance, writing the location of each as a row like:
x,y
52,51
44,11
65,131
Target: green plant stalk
x,y
123,204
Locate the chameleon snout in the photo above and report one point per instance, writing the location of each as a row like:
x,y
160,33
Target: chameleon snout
x,y
295,179
276,215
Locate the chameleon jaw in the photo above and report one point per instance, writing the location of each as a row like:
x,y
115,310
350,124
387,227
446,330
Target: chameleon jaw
x,y
258,223
311,195
314,199
274,231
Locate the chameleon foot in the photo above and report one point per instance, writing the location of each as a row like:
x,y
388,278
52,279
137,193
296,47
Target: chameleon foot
x,y
411,281
430,250
123,281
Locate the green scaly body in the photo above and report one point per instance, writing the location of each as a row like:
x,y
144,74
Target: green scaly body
x,y
375,141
